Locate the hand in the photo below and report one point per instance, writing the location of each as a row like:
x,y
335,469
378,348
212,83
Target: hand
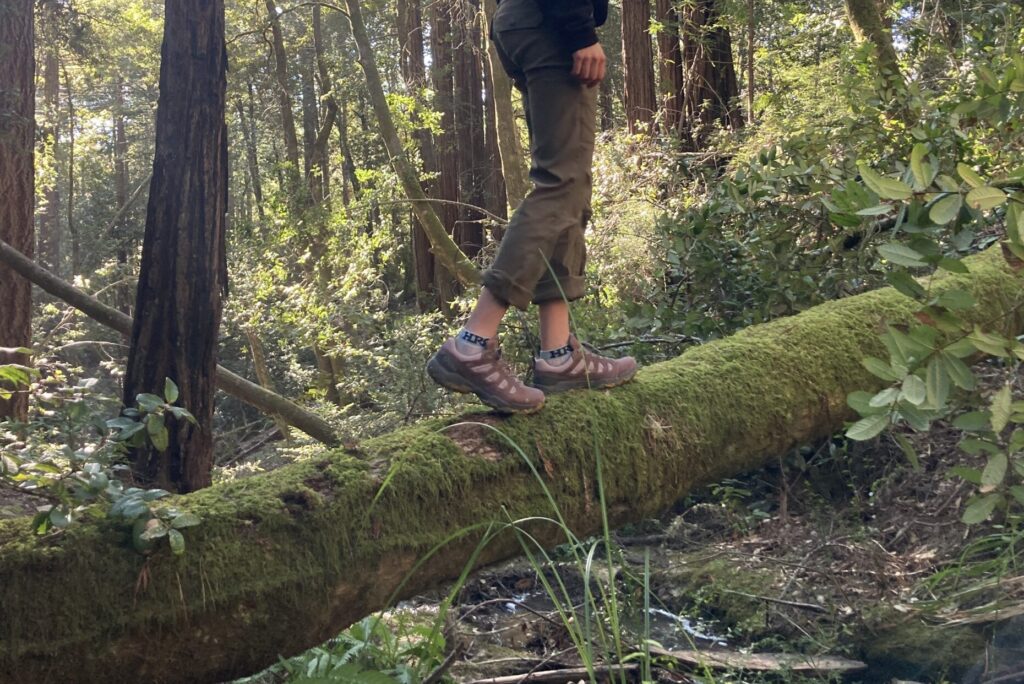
x,y
589,64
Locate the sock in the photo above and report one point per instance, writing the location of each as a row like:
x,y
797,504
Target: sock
x,y
470,343
556,357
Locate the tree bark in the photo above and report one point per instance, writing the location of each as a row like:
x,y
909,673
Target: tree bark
x,y
447,252
638,65
867,26
284,98
17,156
266,401
251,157
284,560
49,220
670,64
183,272
446,185
751,15
414,73
469,128
710,75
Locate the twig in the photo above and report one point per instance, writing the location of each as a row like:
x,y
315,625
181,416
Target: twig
x,y
814,607
439,671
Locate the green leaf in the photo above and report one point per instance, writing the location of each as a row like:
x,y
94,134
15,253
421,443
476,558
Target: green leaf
x,y
936,384
170,391
947,183
1000,408
953,265
154,529
985,198
958,371
914,390
860,401
1017,492
956,299
969,175
59,518
908,450
177,541
915,417
185,520
884,187
879,368
921,179
869,427
898,253
980,509
160,439
149,402
876,210
946,209
905,284
995,471
978,446
972,475
884,398
974,421
996,345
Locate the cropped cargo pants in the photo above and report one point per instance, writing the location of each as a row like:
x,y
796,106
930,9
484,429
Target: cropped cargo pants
x,y
543,253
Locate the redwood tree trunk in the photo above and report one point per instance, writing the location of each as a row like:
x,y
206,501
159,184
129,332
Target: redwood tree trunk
x,y
447,186
183,274
638,64
711,86
670,64
49,220
17,137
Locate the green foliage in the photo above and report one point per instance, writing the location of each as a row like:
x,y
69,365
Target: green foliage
x,y
83,477
372,651
928,363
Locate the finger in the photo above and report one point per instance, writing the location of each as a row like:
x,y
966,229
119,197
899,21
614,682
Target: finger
x,y
577,66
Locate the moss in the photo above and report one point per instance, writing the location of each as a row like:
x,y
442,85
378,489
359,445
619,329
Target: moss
x,y
284,560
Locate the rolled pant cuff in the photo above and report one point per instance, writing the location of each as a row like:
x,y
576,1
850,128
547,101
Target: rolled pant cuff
x,y
507,290
572,288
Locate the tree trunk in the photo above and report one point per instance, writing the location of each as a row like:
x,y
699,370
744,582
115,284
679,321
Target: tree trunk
x,y
710,75
446,186
867,26
751,14
183,272
251,156
514,167
414,73
17,155
119,231
284,98
446,251
76,246
670,65
638,65
468,130
269,403
49,220
284,560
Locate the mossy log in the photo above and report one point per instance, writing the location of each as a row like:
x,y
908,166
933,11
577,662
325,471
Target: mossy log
x,y
285,560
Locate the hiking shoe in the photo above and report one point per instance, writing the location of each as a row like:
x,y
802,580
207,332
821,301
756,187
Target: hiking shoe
x,y
486,375
585,370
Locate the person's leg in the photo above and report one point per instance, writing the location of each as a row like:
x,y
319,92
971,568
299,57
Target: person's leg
x,y
554,324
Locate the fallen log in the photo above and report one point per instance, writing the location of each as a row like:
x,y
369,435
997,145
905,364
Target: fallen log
x,y
284,560
263,399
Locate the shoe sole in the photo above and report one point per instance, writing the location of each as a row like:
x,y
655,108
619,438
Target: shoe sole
x,y
570,385
456,382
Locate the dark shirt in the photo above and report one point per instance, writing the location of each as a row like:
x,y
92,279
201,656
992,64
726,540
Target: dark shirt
x,y
575,20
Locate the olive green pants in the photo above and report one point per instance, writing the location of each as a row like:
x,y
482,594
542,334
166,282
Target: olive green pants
x,y
543,253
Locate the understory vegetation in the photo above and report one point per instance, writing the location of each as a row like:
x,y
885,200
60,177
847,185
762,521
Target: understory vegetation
x,y
848,174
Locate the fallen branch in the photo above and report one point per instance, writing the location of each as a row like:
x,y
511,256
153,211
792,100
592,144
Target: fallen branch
x,y
573,674
760,662
270,403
